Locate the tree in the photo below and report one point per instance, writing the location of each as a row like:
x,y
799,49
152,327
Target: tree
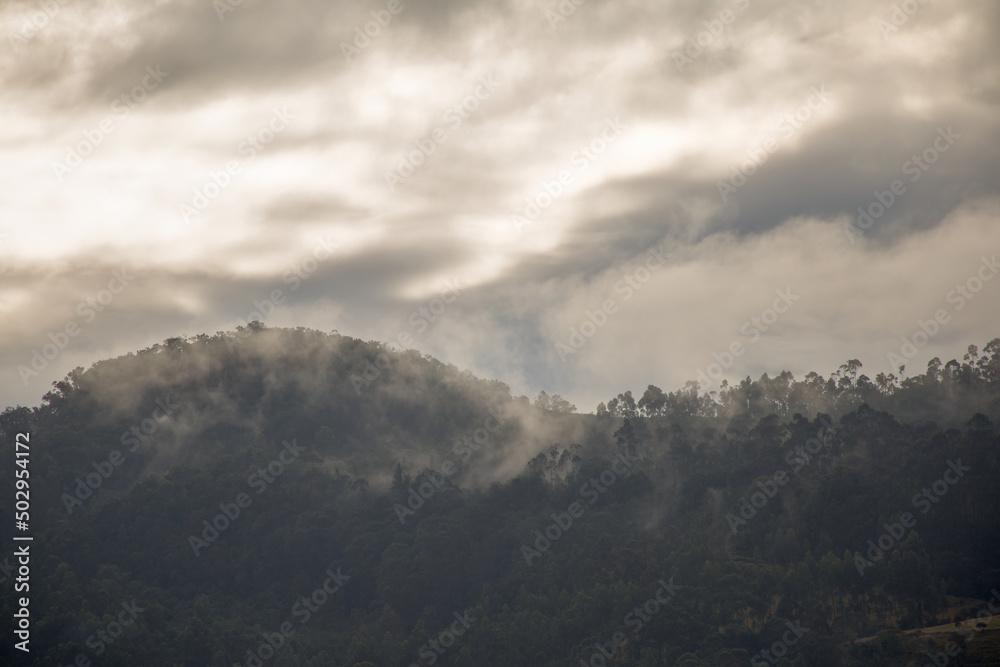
x,y
560,404
543,401
623,406
553,403
653,402
400,483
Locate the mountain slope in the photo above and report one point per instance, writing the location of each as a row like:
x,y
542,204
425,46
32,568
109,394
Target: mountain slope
x,y
334,502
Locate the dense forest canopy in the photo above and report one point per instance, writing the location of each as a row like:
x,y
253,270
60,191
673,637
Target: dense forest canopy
x,y
289,497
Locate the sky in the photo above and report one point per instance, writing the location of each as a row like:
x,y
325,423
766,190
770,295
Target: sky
x,y
583,196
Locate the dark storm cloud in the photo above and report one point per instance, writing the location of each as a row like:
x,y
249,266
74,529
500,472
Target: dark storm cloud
x,y
831,174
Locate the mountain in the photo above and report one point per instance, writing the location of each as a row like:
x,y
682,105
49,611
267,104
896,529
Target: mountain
x,y
289,497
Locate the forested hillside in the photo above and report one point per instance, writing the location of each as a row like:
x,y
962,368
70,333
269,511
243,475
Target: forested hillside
x,y
288,497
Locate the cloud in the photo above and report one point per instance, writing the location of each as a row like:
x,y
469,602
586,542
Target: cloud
x,y
688,128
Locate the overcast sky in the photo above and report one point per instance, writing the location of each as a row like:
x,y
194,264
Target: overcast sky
x,y
672,168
